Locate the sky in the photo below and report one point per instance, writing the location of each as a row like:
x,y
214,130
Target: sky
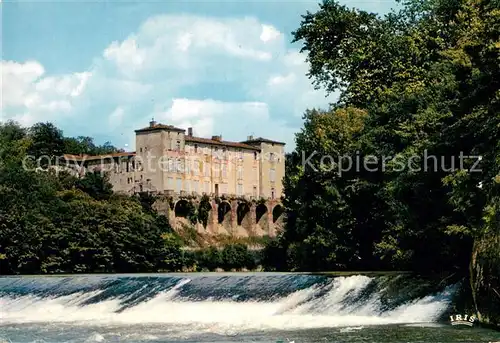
x,y
106,68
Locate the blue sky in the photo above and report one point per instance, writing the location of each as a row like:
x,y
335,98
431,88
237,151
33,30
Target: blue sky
x,y
103,69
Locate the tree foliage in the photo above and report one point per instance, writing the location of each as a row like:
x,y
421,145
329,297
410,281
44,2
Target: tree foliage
x,y
419,89
53,222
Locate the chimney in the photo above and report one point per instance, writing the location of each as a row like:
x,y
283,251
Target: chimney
x,y
152,123
217,138
190,131
249,138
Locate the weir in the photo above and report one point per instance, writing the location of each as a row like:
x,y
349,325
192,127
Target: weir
x,y
243,301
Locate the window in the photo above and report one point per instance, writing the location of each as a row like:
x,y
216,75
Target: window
x,y
178,187
224,188
207,169
240,154
170,183
240,172
255,155
195,186
178,145
254,191
272,193
240,189
217,170
207,187
224,171
170,167
272,175
195,167
271,157
196,148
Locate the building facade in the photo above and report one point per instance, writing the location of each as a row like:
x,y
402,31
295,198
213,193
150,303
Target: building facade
x,y
170,160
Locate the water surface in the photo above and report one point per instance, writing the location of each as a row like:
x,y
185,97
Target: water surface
x,y
235,307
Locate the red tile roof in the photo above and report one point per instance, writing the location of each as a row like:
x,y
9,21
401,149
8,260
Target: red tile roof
x,y
98,157
261,140
160,127
220,143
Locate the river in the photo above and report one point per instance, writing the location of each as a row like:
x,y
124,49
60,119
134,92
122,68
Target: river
x,y
233,307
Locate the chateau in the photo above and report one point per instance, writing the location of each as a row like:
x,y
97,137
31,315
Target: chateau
x,y
170,162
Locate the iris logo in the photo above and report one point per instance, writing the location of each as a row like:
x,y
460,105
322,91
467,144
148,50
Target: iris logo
x,y
464,320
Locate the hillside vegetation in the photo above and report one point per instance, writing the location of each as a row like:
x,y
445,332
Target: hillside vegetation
x,y
52,222
419,121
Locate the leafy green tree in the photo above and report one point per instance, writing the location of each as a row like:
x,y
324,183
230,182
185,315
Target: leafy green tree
x,y
96,185
52,222
209,258
236,256
14,143
426,79
85,146
47,143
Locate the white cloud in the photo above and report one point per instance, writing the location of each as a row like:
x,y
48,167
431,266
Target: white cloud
x,y
192,45
269,33
28,96
155,70
128,57
16,79
116,117
281,80
211,117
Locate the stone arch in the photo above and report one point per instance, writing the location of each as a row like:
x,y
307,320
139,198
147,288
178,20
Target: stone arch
x,y
224,212
278,211
243,214
204,212
183,208
260,213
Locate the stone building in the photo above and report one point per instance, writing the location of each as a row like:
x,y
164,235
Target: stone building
x,y
172,162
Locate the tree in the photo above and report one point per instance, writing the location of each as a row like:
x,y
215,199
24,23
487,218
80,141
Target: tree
x,y
14,143
52,222
427,79
83,145
47,143
323,182
96,185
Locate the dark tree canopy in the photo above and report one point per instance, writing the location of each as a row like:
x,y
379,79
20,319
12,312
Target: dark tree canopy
x,y
422,81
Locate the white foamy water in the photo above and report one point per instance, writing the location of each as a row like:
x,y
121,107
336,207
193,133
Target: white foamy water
x,y
303,309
